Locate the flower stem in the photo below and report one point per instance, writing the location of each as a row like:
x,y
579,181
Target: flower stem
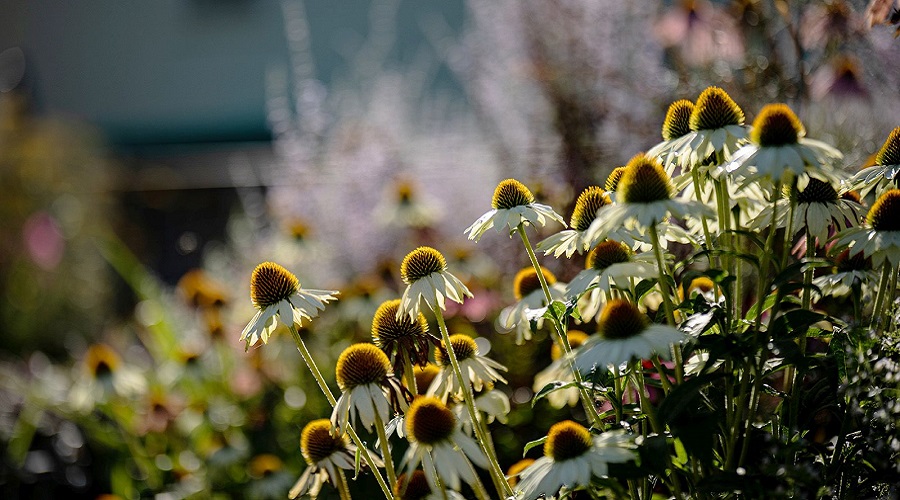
x,y
385,450
311,364
341,484
499,479
879,297
561,337
409,374
667,299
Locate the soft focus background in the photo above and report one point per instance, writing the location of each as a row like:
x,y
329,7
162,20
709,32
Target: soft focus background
x,y
152,153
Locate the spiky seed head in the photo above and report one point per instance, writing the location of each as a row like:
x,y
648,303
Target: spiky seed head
x,y
607,253
612,181
101,360
644,181
270,284
678,120
621,319
429,421
416,488
776,125
885,212
589,202
361,364
527,281
576,338
816,191
420,263
318,442
463,346
567,440
515,469
715,109
388,328
845,262
425,375
511,193
889,154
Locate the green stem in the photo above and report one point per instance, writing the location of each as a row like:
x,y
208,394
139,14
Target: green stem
x,y
879,297
561,337
409,374
889,303
311,364
500,478
341,484
663,275
385,450
647,409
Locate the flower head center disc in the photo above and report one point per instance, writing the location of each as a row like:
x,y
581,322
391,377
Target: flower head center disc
x,y
101,360
576,338
420,263
607,253
715,109
270,284
317,442
429,421
416,489
425,375
816,192
621,319
527,281
644,181
511,193
567,440
845,263
463,346
361,364
388,328
885,212
678,120
612,180
776,125
589,202
889,154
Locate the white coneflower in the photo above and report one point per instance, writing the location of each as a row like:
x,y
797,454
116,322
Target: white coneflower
x,y
326,452
643,200
529,296
493,403
717,129
102,375
513,204
609,264
276,292
817,208
779,152
401,337
568,241
883,175
369,389
624,333
437,443
477,371
572,458
849,271
424,270
676,125
879,238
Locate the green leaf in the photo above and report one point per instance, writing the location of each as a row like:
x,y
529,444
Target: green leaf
x,y
549,388
532,444
753,312
684,396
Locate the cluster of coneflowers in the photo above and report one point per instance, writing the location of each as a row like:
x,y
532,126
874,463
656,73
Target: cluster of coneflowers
x,y
713,212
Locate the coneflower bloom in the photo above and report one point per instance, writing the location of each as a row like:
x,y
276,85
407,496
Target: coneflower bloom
x,y
644,199
572,458
559,371
512,474
399,334
569,241
424,270
437,443
609,263
676,125
368,388
849,271
276,292
883,174
529,296
778,151
879,238
415,487
512,204
102,374
402,207
717,128
817,208
477,371
493,403
624,333
326,452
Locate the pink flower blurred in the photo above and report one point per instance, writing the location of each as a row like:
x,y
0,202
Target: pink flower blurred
x,y
701,32
43,240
